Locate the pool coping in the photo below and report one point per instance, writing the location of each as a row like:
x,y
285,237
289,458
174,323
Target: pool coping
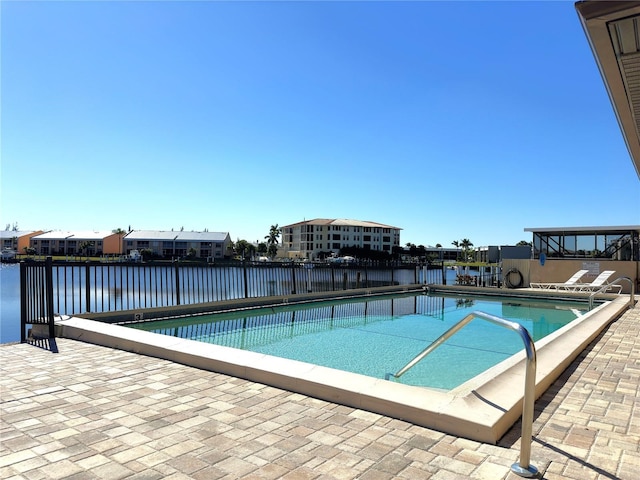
x,y
482,409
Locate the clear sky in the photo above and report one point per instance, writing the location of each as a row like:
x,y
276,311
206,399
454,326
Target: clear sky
x,y
449,120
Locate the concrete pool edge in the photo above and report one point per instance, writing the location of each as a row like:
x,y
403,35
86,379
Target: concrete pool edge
x,y
482,410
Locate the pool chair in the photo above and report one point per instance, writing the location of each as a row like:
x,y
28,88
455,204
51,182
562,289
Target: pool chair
x,y
555,286
601,280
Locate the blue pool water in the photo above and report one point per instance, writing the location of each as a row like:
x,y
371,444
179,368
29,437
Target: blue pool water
x,y
380,336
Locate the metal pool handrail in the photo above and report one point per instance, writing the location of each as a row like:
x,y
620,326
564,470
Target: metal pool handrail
x,y
606,287
523,467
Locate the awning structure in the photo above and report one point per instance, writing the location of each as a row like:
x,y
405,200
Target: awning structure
x,y
614,36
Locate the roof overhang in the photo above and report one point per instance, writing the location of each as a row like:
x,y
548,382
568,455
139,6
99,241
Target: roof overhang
x,y
612,30
599,230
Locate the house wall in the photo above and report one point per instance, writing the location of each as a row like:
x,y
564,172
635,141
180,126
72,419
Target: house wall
x,y
25,241
561,270
112,244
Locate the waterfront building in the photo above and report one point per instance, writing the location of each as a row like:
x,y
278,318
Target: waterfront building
x,y
311,238
17,240
87,243
170,244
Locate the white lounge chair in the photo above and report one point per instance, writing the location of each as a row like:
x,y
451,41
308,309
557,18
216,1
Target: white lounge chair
x,y
555,285
600,281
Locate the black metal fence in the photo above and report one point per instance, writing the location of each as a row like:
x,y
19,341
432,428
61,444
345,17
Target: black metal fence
x,y
69,288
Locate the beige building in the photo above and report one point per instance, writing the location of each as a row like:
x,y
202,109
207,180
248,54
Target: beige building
x,y
310,238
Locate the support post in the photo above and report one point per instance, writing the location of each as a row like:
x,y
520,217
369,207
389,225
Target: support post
x,y
48,285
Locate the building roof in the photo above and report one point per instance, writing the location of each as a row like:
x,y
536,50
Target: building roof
x,y
341,222
178,236
75,235
613,32
15,233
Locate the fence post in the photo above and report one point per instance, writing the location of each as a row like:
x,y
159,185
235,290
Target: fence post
x,y
87,286
176,267
333,279
48,266
23,300
293,279
245,276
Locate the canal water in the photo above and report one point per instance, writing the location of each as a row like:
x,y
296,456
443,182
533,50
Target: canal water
x,y
9,302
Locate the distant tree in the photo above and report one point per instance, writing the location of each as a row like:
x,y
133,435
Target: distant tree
x,y
523,243
438,245
85,246
262,248
272,240
467,251
465,245
147,254
243,249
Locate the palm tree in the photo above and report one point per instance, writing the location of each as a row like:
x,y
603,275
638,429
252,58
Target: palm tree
x,y
467,252
465,244
456,244
272,240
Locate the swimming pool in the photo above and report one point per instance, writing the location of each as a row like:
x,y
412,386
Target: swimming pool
x,y
377,336
481,409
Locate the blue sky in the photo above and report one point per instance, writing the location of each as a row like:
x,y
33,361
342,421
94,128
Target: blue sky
x,y
449,120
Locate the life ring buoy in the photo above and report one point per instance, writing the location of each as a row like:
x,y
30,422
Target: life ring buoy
x,y
507,278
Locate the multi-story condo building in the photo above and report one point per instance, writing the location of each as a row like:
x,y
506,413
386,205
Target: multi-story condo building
x,y
17,240
57,242
179,244
309,238
161,243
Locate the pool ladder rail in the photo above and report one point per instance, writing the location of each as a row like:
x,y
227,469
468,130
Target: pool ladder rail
x,y
604,288
523,468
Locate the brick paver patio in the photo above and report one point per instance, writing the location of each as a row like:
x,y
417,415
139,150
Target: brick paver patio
x,y
89,412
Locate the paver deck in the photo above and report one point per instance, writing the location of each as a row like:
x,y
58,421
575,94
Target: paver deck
x,y
90,412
